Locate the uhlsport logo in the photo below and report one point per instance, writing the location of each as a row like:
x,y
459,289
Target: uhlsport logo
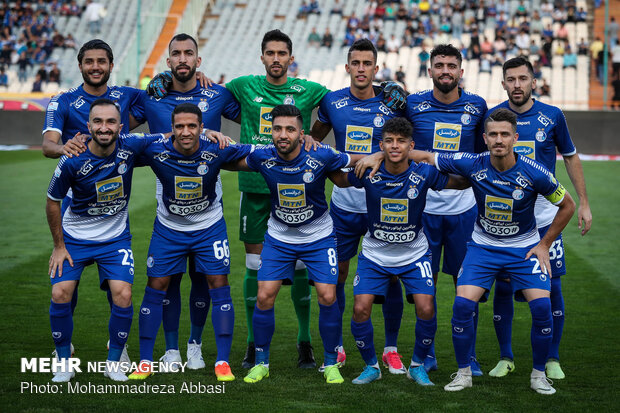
x,y
110,189
187,187
526,148
292,195
358,139
498,209
264,127
447,136
394,211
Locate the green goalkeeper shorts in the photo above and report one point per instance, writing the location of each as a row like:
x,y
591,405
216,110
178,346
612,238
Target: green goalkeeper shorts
x,y
253,215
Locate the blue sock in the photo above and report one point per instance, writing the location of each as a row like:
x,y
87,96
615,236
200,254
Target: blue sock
x,y
74,299
149,320
330,328
363,335
264,324
462,329
342,301
119,327
61,321
199,302
424,337
172,312
542,329
475,323
108,294
223,319
503,313
393,313
557,310
431,351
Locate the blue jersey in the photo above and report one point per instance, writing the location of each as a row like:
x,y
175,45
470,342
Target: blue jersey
x,y
299,211
541,130
67,113
101,188
395,204
454,127
214,102
187,199
505,199
357,126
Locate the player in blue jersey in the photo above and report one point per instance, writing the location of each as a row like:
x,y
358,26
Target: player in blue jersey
x,y
214,102
505,240
395,245
448,119
299,228
67,113
189,221
357,114
94,228
542,128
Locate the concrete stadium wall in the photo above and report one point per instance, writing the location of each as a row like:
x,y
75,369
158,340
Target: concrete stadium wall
x,y
592,132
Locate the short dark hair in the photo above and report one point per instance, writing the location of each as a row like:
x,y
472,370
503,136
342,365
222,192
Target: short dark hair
x,y
286,111
186,108
363,45
182,37
398,126
517,62
502,115
95,44
102,102
446,50
276,36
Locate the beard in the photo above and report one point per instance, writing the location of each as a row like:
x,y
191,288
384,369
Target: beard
x,y
526,98
184,78
104,145
446,87
103,81
293,145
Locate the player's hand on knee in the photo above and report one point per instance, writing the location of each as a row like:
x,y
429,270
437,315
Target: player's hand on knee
x,y
58,257
219,137
309,142
158,86
203,79
584,218
394,96
75,145
542,254
371,161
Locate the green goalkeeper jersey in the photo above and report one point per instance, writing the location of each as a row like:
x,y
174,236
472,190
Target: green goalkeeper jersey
x,y
257,98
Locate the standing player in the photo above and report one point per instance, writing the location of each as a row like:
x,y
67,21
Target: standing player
x,y
357,114
542,128
395,246
94,228
505,239
214,102
299,228
258,95
448,119
189,221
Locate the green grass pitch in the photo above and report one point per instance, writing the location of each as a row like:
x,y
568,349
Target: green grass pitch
x,y
589,351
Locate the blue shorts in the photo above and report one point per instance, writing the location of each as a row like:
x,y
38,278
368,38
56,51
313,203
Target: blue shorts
x,y
349,228
453,232
277,260
114,260
556,254
483,264
169,250
372,278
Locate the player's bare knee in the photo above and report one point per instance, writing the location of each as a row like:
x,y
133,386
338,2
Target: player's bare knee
x,y
217,281
122,297
425,311
265,300
326,296
61,295
361,312
158,283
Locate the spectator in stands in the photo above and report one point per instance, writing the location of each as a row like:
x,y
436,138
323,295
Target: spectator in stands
x,y
612,31
615,58
349,38
474,52
37,84
93,14
303,11
5,54
313,38
521,10
54,74
546,9
353,22
4,78
615,100
544,89
582,47
522,40
546,48
381,43
69,42
293,69
559,14
402,13
536,67
400,77
595,48
328,39
534,48
570,58
562,33
457,21
336,8
22,67
423,57
485,64
393,44
314,7
58,40
42,73
384,74
536,25
486,46
548,31
582,15
560,49
543,59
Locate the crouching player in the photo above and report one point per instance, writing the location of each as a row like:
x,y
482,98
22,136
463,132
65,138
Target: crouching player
x,y
299,228
395,245
94,228
505,239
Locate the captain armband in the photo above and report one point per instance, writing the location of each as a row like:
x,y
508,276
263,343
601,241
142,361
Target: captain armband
x,y
557,196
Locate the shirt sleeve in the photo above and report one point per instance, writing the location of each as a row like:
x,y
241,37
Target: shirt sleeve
x,y
318,92
232,109
55,115
323,114
335,159
546,184
436,180
234,86
562,137
354,180
455,163
61,180
137,105
479,145
253,159
236,152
